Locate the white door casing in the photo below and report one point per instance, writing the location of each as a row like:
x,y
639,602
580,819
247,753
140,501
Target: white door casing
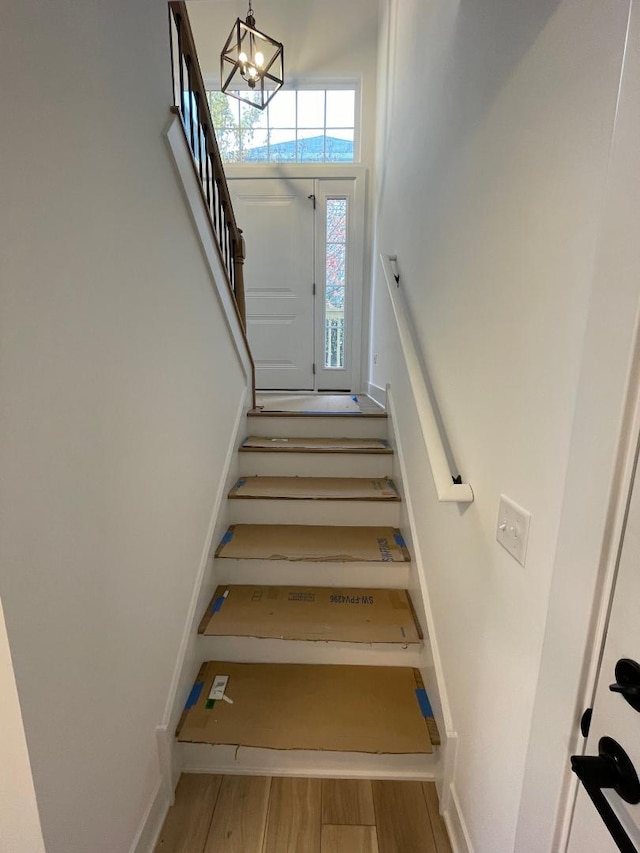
x,y
613,716
616,626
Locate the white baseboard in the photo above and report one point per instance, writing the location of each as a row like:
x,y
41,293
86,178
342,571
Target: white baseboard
x,y
456,826
148,833
221,496
378,394
169,773
170,769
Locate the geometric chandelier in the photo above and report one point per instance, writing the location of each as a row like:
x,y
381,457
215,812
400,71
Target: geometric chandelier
x,y
251,64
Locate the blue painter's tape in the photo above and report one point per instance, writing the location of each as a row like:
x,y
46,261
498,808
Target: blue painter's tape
x,y
399,540
228,536
217,604
196,690
241,483
384,442
355,399
423,701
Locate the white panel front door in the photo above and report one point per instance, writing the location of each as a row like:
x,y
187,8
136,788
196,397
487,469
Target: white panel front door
x,y
277,218
613,716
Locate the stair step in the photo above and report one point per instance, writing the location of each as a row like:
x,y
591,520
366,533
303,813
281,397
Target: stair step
x,y
282,425
208,758
271,650
369,709
300,464
301,542
315,488
263,443
327,513
312,613
312,572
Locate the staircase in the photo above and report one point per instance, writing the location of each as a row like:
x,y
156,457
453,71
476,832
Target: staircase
x,y
311,644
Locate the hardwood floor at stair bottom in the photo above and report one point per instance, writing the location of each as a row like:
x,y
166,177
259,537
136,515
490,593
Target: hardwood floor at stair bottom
x,y
240,815
294,816
249,814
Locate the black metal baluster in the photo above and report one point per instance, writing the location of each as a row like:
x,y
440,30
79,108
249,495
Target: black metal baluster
x,y
192,131
181,64
173,41
214,195
220,214
200,140
207,164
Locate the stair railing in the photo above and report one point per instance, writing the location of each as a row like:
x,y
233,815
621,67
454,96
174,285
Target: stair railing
x,y
448,486
191,104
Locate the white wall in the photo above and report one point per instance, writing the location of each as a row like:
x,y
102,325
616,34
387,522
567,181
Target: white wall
x,y
119,388
602,435
322,38
490,191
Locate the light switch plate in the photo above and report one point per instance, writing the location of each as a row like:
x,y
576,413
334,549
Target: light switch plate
x,y
513,528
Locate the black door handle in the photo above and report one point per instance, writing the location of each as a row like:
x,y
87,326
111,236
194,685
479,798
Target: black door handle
x,y
628,682
611,768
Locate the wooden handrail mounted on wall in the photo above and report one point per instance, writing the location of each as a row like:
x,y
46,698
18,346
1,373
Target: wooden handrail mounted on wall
x,y
447,489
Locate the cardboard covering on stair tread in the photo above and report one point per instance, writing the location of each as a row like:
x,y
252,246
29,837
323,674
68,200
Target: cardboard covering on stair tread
x,y
316,445
373,709
314,543
312,613
316,488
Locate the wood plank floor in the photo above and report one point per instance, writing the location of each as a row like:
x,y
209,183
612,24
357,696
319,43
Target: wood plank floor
x,y
250,814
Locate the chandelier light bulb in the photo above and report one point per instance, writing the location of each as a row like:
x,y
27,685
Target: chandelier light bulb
x,y
259,59
242,57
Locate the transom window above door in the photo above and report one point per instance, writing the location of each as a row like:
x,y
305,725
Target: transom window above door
x,y
298,126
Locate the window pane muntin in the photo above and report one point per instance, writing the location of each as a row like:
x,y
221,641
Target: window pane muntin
x,y
283,114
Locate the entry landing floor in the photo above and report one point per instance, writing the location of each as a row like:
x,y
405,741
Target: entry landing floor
x,y
277,401
262,814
